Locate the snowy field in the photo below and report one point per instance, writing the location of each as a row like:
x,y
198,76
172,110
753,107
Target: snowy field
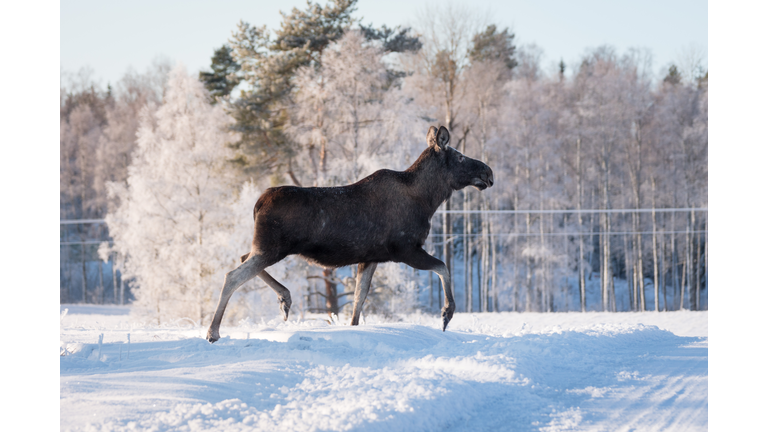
x,y
487,372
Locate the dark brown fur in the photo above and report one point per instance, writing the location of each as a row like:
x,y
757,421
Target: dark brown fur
x,y
383,217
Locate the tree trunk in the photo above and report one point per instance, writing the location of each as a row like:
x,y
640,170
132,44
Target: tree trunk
x,y
467,244
566,285
582,270
81,153
706,254
494,278
467,252
682,288
604,263
579,192
636,171
515,265
591,255
485,238
122,291
673,258
63,289
486,255
101,283
114,277
529,271
655,247
639,251
664,270
200,268
447,250
542,283
629,274
331,299
606,270
85,274
689,261
693,269
697,267
431,293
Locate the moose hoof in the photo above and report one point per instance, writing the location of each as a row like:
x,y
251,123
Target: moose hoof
x,y
447,315
213,335
285,307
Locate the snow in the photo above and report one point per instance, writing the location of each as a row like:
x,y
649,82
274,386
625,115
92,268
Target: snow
x,y
493,371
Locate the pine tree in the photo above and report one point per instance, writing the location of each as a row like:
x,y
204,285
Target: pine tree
x,y
561,69
673,76
224,77
269,64
392,39
491,45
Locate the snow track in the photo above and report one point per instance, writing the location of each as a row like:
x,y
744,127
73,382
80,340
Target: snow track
x,y
487,374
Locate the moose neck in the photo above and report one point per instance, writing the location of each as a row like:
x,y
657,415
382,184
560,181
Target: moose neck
x,y
431,182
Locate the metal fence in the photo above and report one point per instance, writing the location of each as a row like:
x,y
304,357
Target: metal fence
x,y
571,260
84,277
517,260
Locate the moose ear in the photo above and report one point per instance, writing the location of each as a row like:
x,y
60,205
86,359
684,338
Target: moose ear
x,y
438,138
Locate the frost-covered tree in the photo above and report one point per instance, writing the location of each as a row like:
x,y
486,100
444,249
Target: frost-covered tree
x,y
681,119
492,61
83,118
98,134
346,118
533,132
133,93
175,218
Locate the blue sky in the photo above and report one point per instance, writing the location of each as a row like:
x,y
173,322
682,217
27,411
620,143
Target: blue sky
x,y
110,36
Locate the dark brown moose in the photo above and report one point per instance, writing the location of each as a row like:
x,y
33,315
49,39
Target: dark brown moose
x,y
383,217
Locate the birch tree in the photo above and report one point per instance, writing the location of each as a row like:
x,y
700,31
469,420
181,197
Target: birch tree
x,y
174,221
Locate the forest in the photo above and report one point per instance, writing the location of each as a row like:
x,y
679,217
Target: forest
x,y
600,167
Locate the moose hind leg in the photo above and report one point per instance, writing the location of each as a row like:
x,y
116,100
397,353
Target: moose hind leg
x,y
364,276
283,295
421,260
234,279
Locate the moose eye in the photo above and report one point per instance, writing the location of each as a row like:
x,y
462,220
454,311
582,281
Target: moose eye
x,y
461,157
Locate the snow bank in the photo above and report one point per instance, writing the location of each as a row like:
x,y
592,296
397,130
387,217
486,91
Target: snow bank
x,y
546,372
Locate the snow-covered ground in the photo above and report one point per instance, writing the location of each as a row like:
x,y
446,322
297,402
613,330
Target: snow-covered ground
x,y
494,371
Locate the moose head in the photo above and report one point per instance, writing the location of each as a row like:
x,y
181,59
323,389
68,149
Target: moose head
x,y
461,171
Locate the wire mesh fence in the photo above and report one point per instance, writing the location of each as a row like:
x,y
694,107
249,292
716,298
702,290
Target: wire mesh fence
x,y
573,260
85,277
501,260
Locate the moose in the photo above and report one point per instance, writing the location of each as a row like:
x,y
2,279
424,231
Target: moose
x,y
383,217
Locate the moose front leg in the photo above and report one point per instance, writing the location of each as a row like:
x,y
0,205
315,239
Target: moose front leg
x,y
421,260
364,276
